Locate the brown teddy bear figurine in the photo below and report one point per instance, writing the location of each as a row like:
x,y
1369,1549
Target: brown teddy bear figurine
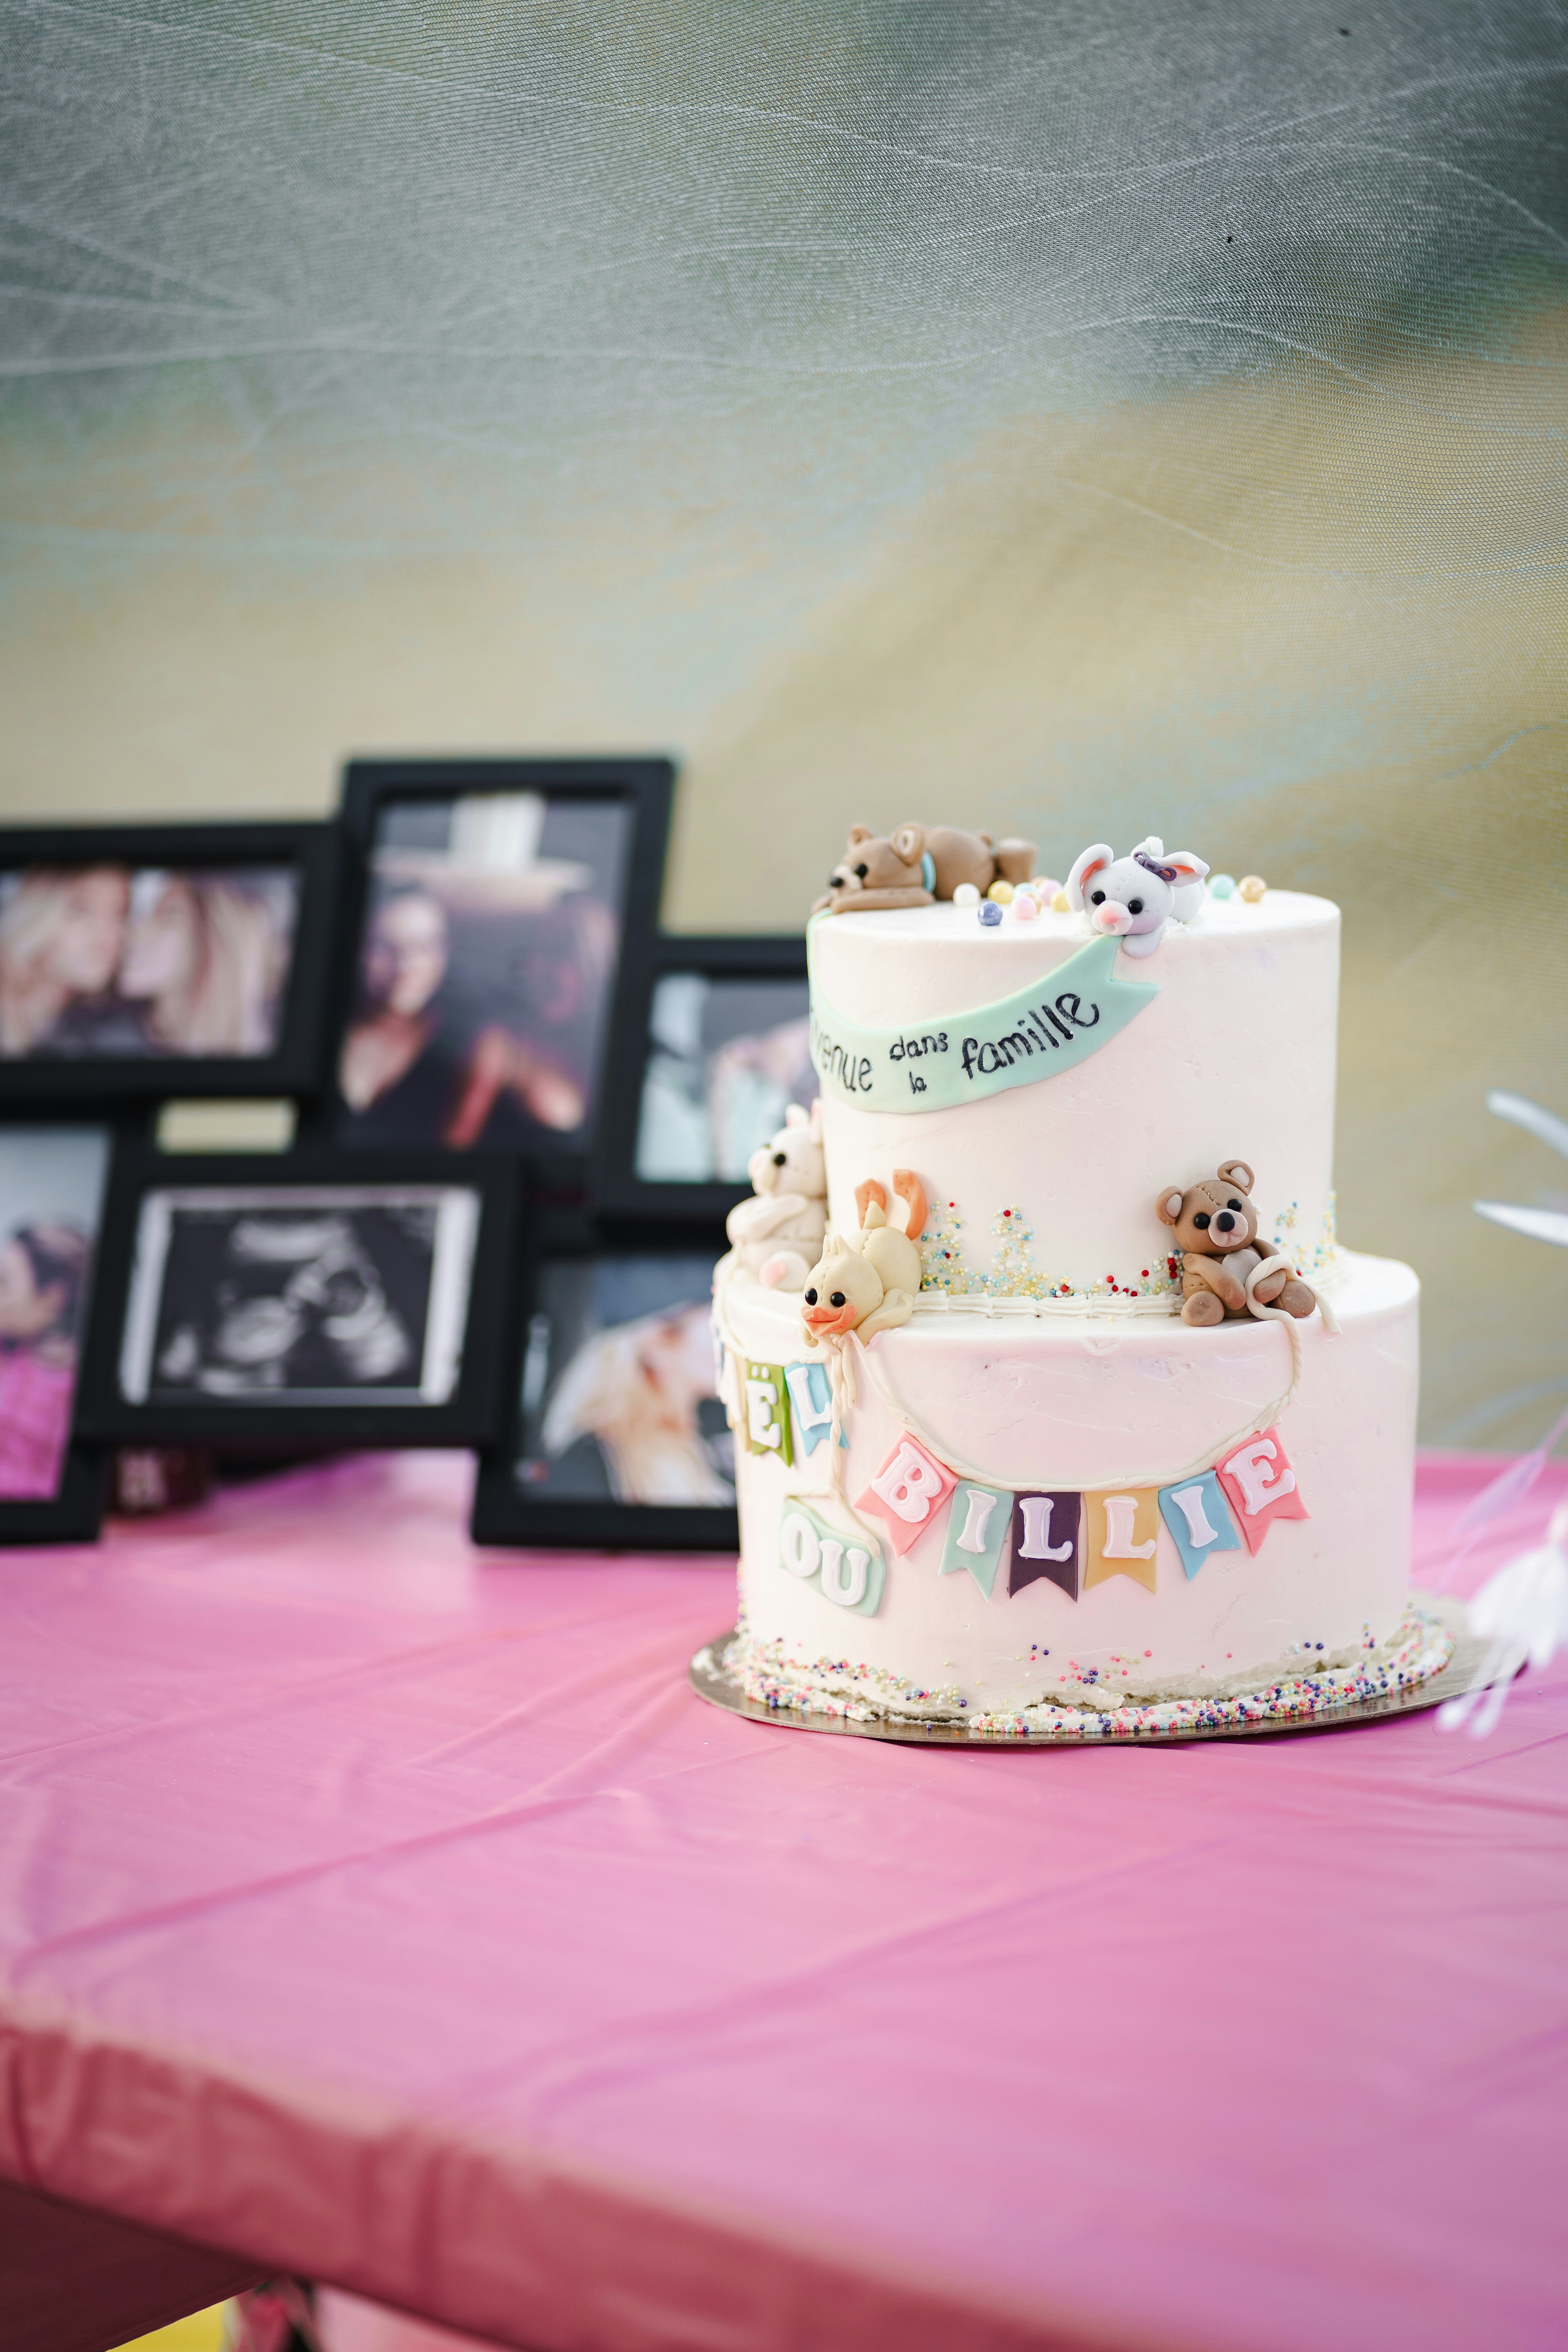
x,y
917,864
1216,1226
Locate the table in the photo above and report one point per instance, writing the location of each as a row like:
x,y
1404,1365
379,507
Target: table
x,y
390,1911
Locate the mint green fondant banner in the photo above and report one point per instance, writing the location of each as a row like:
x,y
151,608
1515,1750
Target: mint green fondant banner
x,y
1057,1021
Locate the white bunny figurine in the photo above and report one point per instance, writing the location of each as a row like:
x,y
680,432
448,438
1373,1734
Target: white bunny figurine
x,y
778,1236
1133,898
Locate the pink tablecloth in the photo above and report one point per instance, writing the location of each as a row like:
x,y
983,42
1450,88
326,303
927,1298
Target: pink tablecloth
x,y
391,1912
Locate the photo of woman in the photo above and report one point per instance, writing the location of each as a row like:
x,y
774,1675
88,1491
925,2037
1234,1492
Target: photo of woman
x,y
487,961
105,961
618,1399
50,1184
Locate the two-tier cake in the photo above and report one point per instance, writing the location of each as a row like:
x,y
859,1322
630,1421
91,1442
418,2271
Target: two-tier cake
x,y
1075,1419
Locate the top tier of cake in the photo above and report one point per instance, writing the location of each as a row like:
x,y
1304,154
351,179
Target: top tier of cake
x,y
1043,1154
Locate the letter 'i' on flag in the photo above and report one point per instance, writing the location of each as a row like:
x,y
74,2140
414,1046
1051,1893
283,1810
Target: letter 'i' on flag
x,y
767,1411
1120,1532
907,1492
1261,1486
1046,1532
1196,1511
811,1394
976,1531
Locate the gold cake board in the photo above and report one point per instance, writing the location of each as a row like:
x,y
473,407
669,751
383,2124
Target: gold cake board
x,y
712,1679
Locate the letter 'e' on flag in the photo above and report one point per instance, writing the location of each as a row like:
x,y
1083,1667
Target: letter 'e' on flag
x,y
1261,1486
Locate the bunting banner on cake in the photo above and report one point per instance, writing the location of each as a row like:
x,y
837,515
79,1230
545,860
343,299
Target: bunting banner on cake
x,y
1071,1537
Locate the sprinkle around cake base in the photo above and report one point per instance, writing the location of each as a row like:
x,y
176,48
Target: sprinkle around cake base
x,y
1432,1657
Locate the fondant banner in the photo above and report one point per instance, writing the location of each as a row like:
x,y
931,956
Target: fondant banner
x,y
1053,1023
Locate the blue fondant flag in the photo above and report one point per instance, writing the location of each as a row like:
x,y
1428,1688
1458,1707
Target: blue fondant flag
x,y
1199,1519
811,1394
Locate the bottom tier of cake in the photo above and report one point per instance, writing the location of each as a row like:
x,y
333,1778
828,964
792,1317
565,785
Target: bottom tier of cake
x,y
1068,1512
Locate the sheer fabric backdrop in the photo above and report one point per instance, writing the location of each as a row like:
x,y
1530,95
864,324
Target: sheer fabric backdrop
x,y
1087,418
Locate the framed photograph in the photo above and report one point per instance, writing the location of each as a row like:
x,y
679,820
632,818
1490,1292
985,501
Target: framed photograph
x,y
52,1186
164,960
719,1047
616,1436
500,915
314,1298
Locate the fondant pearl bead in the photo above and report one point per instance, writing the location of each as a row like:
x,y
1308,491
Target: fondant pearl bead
x,y
1222,885
966,895
1251,887
990,913
1025,907
1044,888
1001,891
1060,904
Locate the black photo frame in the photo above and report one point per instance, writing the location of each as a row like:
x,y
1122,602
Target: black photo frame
x,y
67,1183
98,1064
570,968
600,1285
658,1077
212,1381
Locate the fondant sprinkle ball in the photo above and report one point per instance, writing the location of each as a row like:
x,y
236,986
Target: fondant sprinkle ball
x,y
1222,885
990,913
1025,907
1251,887
966,895
1060,904
1045,890
1001,891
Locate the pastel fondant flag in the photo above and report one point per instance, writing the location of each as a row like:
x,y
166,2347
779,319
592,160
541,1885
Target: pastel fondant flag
x,y
1120,1534
847,1569
1196,1511
1045,1541
976,1531
1261,1486
811,1394
767,1411
906,1492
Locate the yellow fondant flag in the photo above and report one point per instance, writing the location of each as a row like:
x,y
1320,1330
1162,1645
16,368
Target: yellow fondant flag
x,y
1119,1533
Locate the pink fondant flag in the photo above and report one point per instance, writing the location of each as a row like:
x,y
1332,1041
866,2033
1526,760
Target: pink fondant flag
x,y
1260,1486
907,1492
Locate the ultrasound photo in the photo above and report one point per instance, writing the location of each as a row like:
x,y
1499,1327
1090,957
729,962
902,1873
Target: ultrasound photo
x,y
330,1294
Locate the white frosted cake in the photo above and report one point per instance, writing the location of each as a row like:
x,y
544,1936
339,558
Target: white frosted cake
x,y
1066,1470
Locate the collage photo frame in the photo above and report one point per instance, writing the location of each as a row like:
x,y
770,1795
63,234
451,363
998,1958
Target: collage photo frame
x,y
519,1113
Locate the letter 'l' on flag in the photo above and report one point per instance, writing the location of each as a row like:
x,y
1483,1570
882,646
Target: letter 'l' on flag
x,y
1120,1532
1045,1541
976,1532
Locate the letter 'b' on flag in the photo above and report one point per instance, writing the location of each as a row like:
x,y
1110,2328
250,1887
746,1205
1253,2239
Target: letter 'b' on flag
x,y
907,1492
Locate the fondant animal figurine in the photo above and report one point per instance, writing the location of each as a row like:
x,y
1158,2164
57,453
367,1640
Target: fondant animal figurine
x,y
917,864
867,1282
776,1235
1133,898
1216,1226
